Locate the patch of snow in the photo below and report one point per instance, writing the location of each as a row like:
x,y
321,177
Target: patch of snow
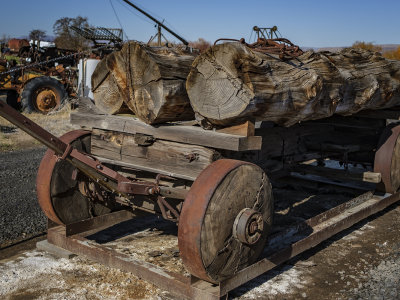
x,y
278,282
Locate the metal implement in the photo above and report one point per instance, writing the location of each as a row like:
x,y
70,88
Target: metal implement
x,y
96,34
42,63
387,158
279,46
48,168
248,226
92,168
159,24
266,32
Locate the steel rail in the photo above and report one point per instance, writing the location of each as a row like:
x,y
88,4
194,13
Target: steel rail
x,y
282,247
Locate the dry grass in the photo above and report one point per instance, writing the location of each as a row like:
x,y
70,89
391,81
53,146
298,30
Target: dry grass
x,y
13,138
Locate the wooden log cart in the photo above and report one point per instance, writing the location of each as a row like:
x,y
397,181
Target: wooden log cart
x,y
206,137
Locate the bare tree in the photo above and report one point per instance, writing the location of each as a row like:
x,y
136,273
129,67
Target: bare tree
x,y
67,38
367,46
200,44
37,34
4,39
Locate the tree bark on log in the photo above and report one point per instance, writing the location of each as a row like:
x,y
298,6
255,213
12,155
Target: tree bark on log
x,y
230,83
152,81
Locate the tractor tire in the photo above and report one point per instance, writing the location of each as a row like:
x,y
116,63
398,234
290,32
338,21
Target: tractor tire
x,y
12,99
43,94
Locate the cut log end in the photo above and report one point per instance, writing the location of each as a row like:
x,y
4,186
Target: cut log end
x,y
150,81
215,79
107,97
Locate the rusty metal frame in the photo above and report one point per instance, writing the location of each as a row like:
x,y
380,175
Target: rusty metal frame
x,y
281,247
384,156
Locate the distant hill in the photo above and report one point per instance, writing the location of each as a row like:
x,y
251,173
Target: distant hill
x,y
385,48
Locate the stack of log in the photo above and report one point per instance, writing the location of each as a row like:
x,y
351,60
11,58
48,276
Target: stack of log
x,y
150,81
231,84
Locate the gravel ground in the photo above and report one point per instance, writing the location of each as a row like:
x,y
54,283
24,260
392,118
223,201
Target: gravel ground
x,y
384,281
20,214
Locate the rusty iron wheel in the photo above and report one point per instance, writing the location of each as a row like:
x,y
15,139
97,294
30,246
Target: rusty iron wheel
x,y
46,99
387,159
225,219
59,193
42,94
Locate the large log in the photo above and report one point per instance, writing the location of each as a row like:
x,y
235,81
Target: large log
x,y
107,85
230,83
151,81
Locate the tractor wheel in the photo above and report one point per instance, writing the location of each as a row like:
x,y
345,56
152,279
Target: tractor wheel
x,y
62,191
42,94
12,99
225,219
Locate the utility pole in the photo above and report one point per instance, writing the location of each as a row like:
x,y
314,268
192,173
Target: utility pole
x,y
159,24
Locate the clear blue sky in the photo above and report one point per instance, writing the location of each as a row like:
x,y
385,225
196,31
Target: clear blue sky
x,y
307,23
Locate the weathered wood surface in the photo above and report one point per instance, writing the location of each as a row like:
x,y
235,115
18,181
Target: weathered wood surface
x,y
231,84
108,97
245,129
223,255
183,160
151,82
178,133
349,139
331,173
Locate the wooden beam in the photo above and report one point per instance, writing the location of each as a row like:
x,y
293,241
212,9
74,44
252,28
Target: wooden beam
x,y
168,158
391,114
184,134
372,177
150,167
245,129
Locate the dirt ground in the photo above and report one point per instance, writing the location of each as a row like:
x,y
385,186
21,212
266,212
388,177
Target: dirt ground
x,y
12,138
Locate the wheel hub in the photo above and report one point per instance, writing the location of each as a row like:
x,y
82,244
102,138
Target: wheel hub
x,y
248,226
46,100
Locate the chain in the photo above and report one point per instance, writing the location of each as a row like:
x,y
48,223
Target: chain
x,y
257,202
42,63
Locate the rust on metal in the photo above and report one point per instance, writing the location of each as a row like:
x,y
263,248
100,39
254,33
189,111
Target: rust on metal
x,y
173,282
61,149
279,46
322,227
248,226
98,223
45,172
384,157
167,211
47,99
306,235
193,211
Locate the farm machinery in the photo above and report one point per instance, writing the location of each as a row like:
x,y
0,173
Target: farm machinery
x,y
41,79
211,136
